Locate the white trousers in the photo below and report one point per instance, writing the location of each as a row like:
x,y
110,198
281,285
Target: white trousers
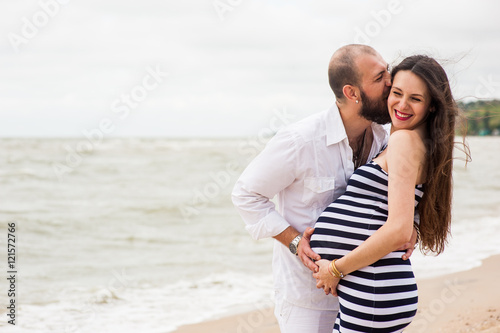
x,y
295,319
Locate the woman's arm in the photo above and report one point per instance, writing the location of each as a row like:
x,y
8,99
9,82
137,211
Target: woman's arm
x,y
405,156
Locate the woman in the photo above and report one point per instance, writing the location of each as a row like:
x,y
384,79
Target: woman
x,y
376,288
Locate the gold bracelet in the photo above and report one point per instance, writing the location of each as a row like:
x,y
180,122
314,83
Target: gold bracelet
x,y
330,271
335,271
417,228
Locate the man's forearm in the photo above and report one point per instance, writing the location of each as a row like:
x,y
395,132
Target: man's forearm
x,y
287,236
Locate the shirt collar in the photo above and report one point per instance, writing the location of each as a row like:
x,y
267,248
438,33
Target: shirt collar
x,y
335,131
380,134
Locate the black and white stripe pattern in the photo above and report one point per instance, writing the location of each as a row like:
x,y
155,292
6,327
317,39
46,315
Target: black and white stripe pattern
x,y
381,297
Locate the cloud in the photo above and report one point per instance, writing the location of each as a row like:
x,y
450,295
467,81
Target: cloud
x,y
226,72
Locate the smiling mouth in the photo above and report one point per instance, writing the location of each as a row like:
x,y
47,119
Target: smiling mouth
x,y
402,116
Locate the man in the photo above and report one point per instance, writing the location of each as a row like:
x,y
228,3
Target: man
x,y
307,165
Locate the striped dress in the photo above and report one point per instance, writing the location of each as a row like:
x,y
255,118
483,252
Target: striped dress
x,y
381,297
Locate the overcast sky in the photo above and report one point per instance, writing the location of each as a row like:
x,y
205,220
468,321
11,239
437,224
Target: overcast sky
x,y
215,68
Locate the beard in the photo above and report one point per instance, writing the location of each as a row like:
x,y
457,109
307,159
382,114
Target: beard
x,y
374,109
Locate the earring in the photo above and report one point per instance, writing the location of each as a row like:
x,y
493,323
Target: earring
x,y
357,101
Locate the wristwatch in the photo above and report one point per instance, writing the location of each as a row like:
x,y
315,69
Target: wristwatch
x,y
294,245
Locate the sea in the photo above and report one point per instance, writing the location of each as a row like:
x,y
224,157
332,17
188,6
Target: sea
x,y
140,235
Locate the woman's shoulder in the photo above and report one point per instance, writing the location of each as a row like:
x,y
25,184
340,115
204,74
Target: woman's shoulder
x,y
404,133
406,143
405,139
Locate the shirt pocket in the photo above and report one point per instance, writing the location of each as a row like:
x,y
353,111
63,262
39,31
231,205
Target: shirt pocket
x,y
318,191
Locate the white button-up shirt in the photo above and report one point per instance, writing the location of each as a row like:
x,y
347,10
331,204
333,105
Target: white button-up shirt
x,y
307,165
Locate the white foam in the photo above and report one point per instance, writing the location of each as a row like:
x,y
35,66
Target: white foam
x,y
471,242
148,309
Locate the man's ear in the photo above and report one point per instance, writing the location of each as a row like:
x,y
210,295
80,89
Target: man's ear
x,y
351,93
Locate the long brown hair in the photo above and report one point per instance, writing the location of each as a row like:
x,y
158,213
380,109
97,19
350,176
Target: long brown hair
x,y
435,206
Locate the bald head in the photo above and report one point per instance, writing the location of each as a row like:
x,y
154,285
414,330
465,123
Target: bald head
x,y
343,69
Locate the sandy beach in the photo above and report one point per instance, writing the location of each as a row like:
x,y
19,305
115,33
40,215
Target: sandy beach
x,y
466,301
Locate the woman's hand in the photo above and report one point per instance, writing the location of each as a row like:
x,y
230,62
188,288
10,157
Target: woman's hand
x,y
324,279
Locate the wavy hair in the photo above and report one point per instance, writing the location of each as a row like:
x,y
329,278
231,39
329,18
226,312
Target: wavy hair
x,y
435,206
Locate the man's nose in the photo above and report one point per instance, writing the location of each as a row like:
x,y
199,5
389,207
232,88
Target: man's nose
x,y
388,80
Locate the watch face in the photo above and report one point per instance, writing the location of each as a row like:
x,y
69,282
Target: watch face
x,y
294,244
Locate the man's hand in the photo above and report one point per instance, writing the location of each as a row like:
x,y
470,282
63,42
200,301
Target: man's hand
x,y
305,253
409,247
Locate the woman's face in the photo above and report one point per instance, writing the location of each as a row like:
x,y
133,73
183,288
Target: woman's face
x,y
408,101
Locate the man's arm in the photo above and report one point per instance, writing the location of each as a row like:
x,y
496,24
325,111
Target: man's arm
x,y
287,236
269,173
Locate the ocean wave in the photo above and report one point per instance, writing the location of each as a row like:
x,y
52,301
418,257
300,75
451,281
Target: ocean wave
x,y
124,308
146,205
471,242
